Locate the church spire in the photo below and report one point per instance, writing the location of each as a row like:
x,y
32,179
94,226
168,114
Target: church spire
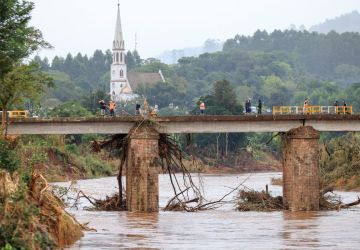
x,y
118,38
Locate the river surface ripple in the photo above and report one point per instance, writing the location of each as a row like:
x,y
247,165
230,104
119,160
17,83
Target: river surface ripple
x,y
223,228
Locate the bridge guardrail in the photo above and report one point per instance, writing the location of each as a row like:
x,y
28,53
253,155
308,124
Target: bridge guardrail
x,y
311,110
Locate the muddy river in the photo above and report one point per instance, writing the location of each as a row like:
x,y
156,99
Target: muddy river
x,y
223,228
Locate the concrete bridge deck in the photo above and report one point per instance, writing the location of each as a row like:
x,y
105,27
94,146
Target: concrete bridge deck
x,y
185,124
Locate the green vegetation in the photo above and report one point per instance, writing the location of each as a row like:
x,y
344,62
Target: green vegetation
x,y
280,68
340,161
63,157
21,83
8,156
70,109
17,41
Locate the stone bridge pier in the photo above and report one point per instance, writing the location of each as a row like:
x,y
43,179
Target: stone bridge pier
x,y
301,184
142,184
300,170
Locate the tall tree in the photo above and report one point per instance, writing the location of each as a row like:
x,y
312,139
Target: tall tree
x,y
225,97
17,39
24,81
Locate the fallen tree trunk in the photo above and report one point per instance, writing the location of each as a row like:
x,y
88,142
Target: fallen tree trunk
x,y
350,204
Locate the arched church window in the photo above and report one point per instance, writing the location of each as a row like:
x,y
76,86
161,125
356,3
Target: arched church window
x,y
121,73
117,57
121,57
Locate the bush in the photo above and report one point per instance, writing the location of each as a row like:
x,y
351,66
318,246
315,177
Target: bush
x,y
341,164
95,167
8,156
72,148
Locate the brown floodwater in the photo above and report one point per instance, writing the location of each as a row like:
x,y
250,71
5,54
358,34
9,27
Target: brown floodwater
x,y
223,228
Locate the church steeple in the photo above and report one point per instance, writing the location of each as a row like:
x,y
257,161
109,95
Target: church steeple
x,y
118,38
120,89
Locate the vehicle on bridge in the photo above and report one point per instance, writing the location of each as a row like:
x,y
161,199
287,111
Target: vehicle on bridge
x,y
17,113
312,110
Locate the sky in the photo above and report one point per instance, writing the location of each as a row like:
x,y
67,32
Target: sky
x,y
86,25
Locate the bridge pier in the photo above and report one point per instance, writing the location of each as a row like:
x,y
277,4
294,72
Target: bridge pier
x,y
301,185
142,187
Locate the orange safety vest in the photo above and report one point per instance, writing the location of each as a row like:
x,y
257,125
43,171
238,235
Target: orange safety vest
x,y
202,105
112,105
305,104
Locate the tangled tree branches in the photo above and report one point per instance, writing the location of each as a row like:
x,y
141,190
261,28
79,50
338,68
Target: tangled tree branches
x,y
188,195
251,200
117,146
331,201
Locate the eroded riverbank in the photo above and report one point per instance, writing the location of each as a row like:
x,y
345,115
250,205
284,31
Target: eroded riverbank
x,y
217,229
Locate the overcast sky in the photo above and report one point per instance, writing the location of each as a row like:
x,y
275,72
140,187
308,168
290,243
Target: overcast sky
x,y
86,25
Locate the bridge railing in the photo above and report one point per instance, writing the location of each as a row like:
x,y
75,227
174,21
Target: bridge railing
x,y
311,110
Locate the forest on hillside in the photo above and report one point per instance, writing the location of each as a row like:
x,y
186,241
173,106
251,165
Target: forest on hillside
x,y
349,22
281,68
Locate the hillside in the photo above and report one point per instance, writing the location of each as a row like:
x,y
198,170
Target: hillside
x,y
349,22
172,56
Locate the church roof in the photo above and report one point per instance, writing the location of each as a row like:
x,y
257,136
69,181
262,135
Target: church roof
x,y
137,78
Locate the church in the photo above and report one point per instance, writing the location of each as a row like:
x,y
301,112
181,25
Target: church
x,y
120,88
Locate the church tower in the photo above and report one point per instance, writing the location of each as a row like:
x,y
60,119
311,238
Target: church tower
x,y
120,89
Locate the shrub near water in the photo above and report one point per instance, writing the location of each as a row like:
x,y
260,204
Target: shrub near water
x,y
340,161
94,167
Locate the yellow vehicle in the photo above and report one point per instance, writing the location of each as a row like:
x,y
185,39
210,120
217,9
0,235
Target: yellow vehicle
x,y
17,114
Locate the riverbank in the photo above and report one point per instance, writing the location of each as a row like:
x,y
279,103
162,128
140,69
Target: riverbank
x,y
63,159
32,217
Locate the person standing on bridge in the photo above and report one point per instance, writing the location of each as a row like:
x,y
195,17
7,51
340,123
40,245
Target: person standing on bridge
x,y
112,107
306,106
344,107
202,108
248,106
336,104
137,109
259,107
102,107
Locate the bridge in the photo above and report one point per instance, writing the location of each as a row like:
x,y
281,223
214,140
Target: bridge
x,y
185,124
300,147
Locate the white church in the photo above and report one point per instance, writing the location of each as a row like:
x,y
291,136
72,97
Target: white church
x,y
122,85
120,89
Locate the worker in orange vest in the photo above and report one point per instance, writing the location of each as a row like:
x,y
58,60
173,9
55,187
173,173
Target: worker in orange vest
x,y
202,108
112,107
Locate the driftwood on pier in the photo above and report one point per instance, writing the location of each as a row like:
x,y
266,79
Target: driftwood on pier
x,y
251,200
188,195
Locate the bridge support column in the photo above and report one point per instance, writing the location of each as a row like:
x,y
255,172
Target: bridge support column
x,y
142,187
301,169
